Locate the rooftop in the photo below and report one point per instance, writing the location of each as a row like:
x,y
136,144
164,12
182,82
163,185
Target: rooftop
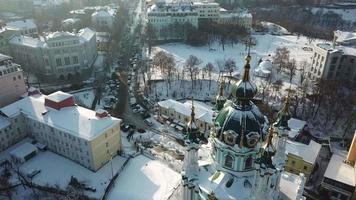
x,y
345,36
339,171
4,122
202,111
308,153
4,57
58,96
23,150
22,24
338,48
75,120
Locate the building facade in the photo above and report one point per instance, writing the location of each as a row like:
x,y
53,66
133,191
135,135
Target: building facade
x,y
87,137
302,158
12,84
177,111
163,17
59,55
335,61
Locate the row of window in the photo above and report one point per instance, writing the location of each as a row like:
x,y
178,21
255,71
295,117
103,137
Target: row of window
x,y
67,61
9,70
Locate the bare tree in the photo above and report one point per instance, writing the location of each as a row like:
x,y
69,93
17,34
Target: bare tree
x,y
281,58
220,64
209,68
230,66
291,69
191,66
303,71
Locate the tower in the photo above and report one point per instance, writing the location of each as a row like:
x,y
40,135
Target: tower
x,y
267,175
220,98
282,130
190,165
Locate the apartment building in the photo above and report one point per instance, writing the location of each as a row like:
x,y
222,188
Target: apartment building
x,y
26,27
57,55
12,84
335,61
89,138
207,10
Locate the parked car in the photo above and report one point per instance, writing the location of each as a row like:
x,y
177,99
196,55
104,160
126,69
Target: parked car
x,y
141,130
125,127
148,122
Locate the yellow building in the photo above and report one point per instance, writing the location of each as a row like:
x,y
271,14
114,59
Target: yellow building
x,y
89,138
301,158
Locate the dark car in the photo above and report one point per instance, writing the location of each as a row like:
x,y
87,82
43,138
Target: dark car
x,y
125,127
145,115
141,130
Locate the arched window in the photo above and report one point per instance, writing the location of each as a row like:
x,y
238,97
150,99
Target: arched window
x,y
248,163
229,161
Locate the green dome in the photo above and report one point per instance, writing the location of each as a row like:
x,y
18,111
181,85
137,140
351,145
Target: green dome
x,y
245,121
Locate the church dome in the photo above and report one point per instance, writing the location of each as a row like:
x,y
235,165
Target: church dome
x,y
245,89
244,121
241,122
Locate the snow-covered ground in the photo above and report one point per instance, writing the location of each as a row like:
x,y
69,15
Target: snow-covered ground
x,y
57,170
145,179
266,45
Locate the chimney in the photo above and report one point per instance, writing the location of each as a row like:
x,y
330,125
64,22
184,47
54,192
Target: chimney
x,y
101,113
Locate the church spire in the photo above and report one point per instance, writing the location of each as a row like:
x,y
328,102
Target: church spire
x,y
220,98
192,128
284,115
245,90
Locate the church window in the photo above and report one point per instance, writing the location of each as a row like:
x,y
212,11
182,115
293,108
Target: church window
x,y
248,163
229,161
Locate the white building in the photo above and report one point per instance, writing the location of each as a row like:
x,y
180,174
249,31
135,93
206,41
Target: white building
x,y
164,17
242,18
58,55
175,110
87,137
335,61
12,84
103,18
26,27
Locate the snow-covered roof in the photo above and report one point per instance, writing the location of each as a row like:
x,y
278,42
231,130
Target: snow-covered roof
x,y
23,150
4,122
75,120
289,185
27,41
86,33
4,57
70,21
295,125
340,171
22,24
308,153
202,111
338,48
103,13
58,96
344,36
143,179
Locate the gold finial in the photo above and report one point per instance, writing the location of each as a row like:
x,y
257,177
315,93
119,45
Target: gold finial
x,y
247,67
270,134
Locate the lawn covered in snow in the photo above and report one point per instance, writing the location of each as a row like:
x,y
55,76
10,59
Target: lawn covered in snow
x,y
266,45
145,179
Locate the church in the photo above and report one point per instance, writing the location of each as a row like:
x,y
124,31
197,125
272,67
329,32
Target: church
x,y
247,155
